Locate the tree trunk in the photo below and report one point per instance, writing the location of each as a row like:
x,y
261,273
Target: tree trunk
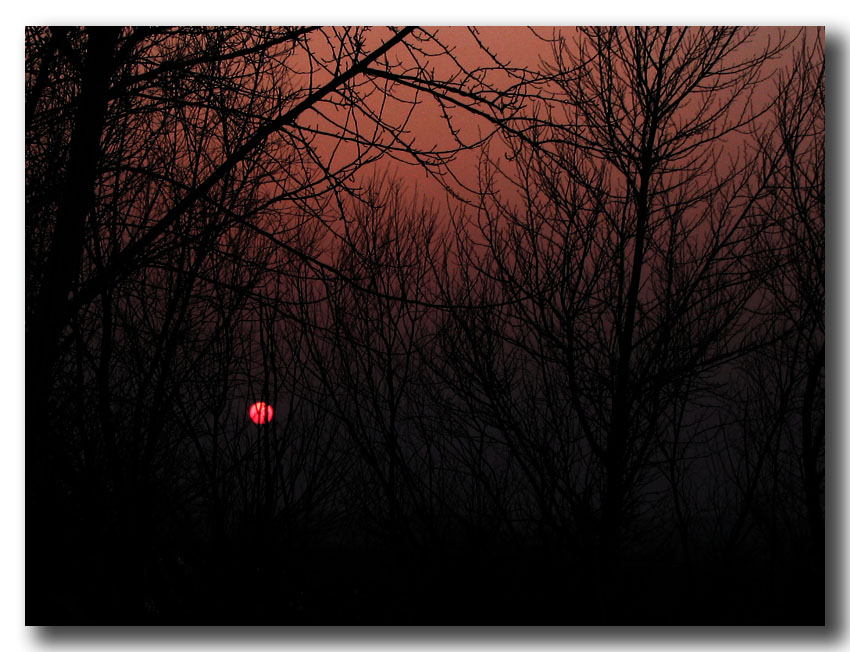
x,y
44,467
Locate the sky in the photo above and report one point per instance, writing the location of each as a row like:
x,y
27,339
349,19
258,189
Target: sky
x,y
515,46
816,12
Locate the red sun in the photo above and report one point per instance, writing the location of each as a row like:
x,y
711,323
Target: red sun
x,y
261,413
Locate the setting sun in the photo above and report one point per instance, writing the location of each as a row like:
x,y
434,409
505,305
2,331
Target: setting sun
x,y
261,413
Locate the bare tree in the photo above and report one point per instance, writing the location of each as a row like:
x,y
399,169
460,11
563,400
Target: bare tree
x,y
146,149
784,417
623,239
612,349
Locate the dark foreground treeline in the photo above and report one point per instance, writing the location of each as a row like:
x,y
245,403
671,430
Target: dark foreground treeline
x,y
587,389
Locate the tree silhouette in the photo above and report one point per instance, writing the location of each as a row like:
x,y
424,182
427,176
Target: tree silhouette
x,y
621,234
601,368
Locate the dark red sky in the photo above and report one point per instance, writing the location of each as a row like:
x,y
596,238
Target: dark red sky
x,y
514,46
